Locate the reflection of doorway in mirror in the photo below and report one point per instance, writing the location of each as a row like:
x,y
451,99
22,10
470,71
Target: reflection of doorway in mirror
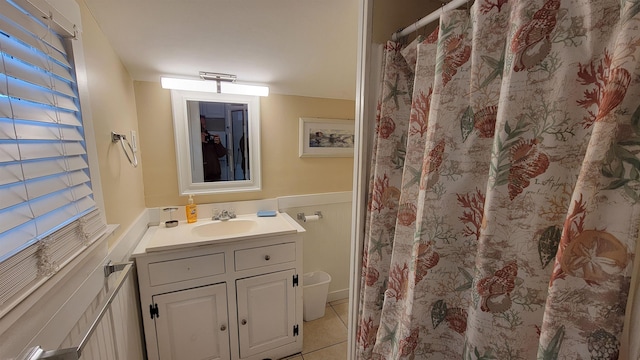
x,y
229,122
240,137
214,142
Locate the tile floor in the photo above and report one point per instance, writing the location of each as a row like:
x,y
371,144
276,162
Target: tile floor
x,y
326,338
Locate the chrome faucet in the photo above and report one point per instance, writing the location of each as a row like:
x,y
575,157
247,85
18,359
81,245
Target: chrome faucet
x,y
224,215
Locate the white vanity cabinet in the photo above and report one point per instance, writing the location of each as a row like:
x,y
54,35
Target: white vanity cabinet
x,y
266,312
193,324
239,299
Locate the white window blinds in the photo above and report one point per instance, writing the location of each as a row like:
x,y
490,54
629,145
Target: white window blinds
x,y
47,211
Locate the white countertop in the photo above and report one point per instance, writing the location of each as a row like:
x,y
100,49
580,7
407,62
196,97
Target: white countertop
x,y
161,238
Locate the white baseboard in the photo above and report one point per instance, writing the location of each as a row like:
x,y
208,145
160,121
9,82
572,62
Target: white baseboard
x,y
338,295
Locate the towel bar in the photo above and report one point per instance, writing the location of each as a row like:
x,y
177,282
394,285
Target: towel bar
x,y
133,159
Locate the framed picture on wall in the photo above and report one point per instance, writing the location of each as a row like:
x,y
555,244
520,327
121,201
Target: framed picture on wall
x,y
326,137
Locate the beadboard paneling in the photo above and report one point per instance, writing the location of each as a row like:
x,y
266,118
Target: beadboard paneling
x,y
326,244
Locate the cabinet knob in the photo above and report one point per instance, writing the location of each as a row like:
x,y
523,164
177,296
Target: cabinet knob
x,y
243,322
223,327
267,257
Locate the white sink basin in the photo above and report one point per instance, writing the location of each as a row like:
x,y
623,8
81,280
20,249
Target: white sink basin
x,y
225,228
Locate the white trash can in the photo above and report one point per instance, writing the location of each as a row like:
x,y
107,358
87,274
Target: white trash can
x,y
314,293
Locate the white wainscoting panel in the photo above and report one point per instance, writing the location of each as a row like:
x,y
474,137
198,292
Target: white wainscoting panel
x,y
326,244
118,335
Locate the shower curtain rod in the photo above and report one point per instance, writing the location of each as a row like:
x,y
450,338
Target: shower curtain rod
x,y
454,4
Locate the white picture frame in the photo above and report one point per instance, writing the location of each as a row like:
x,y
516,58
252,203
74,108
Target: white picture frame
x,y
326,137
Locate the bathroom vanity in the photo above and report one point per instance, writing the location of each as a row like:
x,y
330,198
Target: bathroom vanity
x,y
222,289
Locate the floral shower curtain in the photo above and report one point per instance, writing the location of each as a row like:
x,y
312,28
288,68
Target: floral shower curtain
x,y
505,188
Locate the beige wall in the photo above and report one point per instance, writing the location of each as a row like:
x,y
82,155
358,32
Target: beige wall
x,y
283,172
391,15
113,108
117,103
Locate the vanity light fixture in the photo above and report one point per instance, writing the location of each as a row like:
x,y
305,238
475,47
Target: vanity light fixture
x,y
216,83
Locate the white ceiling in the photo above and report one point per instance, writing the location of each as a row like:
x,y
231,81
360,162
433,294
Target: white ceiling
x,y
296,47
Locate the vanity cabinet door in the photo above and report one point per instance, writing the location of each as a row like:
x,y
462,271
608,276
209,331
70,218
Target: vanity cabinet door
x,y
266,312
193,324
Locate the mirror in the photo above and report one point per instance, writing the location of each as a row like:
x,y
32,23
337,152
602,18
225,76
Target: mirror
x,y
217,139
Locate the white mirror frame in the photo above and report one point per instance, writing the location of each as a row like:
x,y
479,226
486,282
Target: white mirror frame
x,y
181,114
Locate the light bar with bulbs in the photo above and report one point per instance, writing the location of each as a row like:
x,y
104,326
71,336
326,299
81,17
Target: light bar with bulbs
x,y
216,83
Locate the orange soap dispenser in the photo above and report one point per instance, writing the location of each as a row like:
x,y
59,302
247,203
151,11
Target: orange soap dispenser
x,y
192,210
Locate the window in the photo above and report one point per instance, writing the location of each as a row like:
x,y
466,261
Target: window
x,y
47,211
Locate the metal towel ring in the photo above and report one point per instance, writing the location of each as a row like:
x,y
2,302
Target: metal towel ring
x,y
115,137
